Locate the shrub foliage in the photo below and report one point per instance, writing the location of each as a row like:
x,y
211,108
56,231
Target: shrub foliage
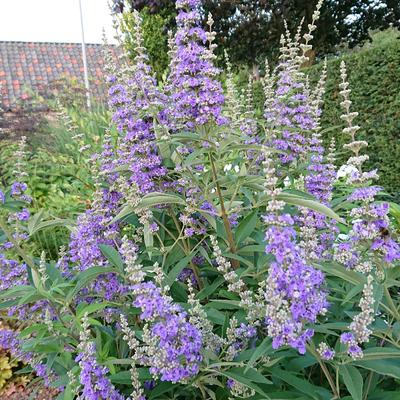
x,y
221,256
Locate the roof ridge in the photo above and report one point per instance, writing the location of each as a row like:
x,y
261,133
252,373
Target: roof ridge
x,y
57,43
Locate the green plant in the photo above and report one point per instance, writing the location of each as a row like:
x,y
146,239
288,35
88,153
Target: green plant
x,y
222,255
374,73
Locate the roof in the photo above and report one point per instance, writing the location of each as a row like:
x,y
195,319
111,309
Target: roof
x,y
36,65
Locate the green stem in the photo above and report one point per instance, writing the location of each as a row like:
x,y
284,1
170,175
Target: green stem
x,y
224,214
187,249
391,304
17,247
325,371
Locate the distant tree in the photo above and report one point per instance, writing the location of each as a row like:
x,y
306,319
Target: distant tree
x,y
250,29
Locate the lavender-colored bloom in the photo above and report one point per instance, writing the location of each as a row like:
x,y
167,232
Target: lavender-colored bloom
x,y
369,237
197,96
298,288
188,274
230,383
355,351
177,356
2,197
149,385
180,344
12,273
10,342
18,188
23,215
94,228
290,109
137,104
325,351
242,336
364,193
93,377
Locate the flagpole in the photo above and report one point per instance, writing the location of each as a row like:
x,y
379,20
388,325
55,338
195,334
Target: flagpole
x,y
84,59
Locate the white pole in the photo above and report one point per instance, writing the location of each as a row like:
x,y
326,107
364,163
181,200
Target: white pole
x,y
84,58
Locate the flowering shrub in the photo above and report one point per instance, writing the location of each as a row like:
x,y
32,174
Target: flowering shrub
x,y
221,256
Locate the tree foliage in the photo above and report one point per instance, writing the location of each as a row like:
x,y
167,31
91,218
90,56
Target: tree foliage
x,y
250,29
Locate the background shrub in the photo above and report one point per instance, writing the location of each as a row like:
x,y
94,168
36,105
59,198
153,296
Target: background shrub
x,y
374,75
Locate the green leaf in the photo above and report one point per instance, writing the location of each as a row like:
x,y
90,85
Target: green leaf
x,y
209,289
112,256
215,316
353,381
264,348
90,308
156,199
175,271
160,389
300,384
125,212
388,367
148,201
378,353
253,248
352,293
17,292
122,377
246,379
341,272
148,238
34,220
250,373
246,227
85,277
68,223
396,330
311,204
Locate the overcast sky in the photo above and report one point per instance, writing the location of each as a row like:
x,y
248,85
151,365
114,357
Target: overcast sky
x,y
54,20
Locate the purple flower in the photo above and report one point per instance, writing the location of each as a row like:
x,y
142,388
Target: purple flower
x,y
93,377
196,95
347,338
293,290
23,215
18,188
364,193
179,343
10,342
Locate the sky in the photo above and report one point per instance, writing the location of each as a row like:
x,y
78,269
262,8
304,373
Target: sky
x,y
54,20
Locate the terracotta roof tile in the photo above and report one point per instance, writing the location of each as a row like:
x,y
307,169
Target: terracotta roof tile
x,y
38,65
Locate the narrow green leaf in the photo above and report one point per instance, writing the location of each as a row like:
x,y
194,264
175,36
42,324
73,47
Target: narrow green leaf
x,y
246,227
83,308
160,389
300,384
353,381
341,272
112,256
311,204
264,348
246,379
175,271
389,367
85,277
209,289
156,199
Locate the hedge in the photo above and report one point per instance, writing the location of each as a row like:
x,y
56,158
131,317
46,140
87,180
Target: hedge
x,y
374,75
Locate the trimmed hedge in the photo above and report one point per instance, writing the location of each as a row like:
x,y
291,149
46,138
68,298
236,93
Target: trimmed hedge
x,y
374,75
